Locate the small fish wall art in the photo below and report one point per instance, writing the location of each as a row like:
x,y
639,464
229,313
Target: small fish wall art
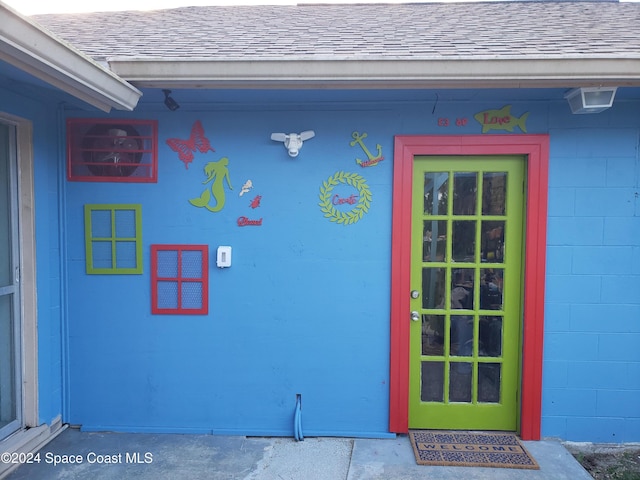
x,y
216,173
372,160
360,203
501,120
197,141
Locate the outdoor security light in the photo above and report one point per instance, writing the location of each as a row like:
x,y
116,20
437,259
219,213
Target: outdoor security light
x,y
590,99
293,141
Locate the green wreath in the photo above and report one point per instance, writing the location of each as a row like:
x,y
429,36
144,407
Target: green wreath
x,y
358,211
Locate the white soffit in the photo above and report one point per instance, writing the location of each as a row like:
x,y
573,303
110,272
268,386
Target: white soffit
x,y
306,72
29,47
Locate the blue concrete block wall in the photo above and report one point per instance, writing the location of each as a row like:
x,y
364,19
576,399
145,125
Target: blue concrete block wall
x,y
305,306
592,324
50,274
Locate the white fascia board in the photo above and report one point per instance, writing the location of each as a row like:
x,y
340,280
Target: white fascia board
x,y
29,47
483,72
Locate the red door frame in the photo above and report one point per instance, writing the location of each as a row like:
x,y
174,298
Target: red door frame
x,y
536,150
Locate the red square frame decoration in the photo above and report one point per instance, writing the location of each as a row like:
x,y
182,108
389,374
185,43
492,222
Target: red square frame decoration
x,y
179,279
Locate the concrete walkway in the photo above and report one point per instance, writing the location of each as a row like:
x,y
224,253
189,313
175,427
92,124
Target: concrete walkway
x,y
122,456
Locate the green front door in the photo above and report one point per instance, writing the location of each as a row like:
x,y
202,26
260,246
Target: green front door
x,y
466,298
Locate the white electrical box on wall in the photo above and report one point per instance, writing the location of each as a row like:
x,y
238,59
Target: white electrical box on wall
x,y
223,258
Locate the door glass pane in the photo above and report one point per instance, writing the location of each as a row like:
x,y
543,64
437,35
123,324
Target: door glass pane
x,y
462,288
461,337
464,193
434,241
491,282
460,382
9,311
433,286
463,248
494,191
9,407
433,335
436,191
489,382
432,388
7,365
490,337
492,245
5,211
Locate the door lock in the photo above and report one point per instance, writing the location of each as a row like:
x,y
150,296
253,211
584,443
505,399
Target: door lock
x,y
415,316
415,294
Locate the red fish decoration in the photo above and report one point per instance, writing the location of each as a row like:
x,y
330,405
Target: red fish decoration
x,y
186,148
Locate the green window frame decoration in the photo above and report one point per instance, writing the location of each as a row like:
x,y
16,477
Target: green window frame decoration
x,y
113,239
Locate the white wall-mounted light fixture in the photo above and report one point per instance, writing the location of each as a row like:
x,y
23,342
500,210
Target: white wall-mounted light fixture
x,y
590,99
293,141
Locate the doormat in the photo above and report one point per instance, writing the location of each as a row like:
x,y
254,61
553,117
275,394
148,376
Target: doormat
x,y
470,449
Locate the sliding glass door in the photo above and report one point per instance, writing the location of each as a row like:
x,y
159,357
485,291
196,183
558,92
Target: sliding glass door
x,y
10,372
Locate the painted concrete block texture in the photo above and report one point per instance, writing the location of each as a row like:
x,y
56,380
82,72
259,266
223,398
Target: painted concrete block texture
x,y
622,231
601,260
562,402
605,202
622,171
575,231
562,201
597,429
571,289
618,317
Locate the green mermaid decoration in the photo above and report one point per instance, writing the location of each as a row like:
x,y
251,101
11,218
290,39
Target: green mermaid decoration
x,y
218,172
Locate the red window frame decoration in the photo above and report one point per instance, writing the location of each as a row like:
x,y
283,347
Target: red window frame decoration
x,y
112,150
177,282
535,149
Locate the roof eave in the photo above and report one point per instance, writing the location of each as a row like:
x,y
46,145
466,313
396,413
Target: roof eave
x,y
32,49
454,72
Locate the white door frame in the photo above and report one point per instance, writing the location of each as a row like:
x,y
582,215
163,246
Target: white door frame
x,y
27,264
32,435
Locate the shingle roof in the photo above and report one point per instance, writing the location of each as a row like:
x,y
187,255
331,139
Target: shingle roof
x,y
363,31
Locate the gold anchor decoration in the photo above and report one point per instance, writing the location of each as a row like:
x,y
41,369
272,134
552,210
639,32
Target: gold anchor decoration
x,y
372,160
